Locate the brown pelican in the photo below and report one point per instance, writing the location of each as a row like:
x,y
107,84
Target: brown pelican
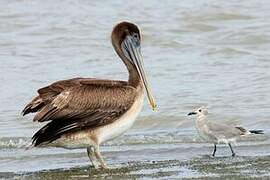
x,y
85,112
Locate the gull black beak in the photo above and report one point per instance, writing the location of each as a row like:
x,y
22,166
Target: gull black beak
x,y
191,113
132,50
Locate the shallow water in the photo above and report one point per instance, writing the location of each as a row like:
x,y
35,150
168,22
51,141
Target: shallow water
x,y
196,53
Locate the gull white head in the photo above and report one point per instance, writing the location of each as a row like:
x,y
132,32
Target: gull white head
x,y
201,112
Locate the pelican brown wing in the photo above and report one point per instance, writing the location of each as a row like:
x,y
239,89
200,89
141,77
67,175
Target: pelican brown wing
x,y
77,104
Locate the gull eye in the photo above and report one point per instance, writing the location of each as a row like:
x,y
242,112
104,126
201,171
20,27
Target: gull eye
x,y
200,110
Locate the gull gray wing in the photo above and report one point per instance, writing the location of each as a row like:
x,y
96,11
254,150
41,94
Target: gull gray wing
x,y
223,130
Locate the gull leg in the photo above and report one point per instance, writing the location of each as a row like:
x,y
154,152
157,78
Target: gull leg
x,y
233,154
215,149
91,155
100,159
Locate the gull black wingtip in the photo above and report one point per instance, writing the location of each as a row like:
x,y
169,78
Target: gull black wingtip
x,y
256,131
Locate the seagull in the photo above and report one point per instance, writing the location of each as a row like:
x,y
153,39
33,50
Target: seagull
x,y
86,112
218,133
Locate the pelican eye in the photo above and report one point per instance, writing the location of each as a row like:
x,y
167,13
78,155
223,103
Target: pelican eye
x,y
136,36
136,39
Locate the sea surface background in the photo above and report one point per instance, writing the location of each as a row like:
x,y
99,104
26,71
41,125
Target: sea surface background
x,y
212,53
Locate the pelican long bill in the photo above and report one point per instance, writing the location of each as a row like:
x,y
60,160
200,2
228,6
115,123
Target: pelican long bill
x,y
132,49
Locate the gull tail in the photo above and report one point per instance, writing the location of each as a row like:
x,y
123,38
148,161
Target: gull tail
x,y
256,131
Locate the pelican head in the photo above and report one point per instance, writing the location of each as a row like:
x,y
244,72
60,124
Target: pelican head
x,y
126,40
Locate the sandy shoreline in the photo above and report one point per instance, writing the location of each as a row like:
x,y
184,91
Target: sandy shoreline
x,y
204,167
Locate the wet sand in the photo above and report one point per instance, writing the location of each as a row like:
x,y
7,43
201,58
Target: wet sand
x,y
200,167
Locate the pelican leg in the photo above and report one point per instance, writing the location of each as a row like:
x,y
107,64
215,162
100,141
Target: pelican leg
x,y
100,159
233,154
215,149
91,155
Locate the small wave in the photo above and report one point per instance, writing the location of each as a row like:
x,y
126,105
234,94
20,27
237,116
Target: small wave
x,y
143,137
14,142
227,51
155,138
